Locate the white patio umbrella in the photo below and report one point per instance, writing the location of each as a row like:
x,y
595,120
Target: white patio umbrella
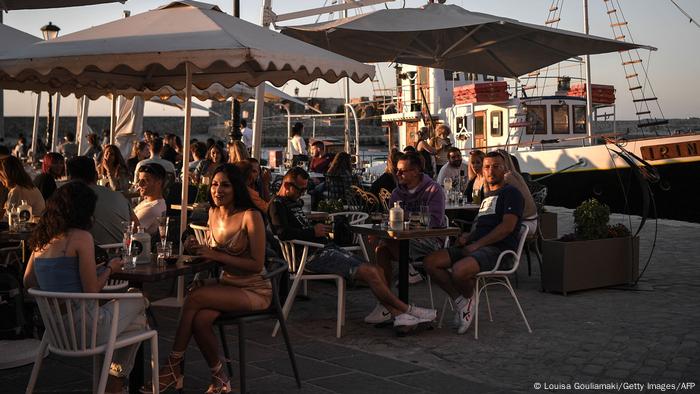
x,y
9,5
450,37
182,45
12,39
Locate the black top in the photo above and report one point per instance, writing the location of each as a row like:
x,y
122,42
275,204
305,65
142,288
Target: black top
x,y
506,200
385,181
288,221
46,185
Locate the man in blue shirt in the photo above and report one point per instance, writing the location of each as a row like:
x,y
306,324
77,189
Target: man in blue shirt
x,y
496,230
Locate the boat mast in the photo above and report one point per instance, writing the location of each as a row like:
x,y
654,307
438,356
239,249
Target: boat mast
x,y
589,92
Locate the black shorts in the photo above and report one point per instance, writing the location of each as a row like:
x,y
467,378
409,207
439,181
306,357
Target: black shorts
x,y
486,256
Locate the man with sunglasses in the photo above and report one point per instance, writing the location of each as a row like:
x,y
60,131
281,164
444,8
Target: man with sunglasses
x,y
288,221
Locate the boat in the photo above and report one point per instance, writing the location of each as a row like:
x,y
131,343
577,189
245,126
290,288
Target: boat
x,y
547,134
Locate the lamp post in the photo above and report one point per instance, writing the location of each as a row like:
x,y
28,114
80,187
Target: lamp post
x,y
49,32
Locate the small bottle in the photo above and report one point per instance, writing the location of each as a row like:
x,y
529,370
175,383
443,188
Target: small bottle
x,y
141,246
25,213
11,217
396,217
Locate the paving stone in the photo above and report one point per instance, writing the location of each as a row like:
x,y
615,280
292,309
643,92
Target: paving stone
x,y
438,382
592,369
617,373
361,384
308,368
376,365
323,350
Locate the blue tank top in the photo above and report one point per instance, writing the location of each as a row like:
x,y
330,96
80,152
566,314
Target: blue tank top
x,y
59,274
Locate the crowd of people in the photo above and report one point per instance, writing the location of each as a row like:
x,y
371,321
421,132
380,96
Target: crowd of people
x,y
84,200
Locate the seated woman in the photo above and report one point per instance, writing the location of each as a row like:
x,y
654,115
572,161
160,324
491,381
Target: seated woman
x,y
339,178
237,242
20,186
63,260
206,167
475,192
113,169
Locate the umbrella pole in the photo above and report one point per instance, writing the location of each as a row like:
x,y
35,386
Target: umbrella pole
x,y
185,171
112,119
35,128
56,119
260,93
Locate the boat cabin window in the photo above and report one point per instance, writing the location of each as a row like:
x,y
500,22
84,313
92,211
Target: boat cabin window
x,y
471,77
496,123
579,119
451,75
536,119
479,128
488,78
560,119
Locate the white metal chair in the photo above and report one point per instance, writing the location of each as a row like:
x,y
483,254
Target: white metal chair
x,y
114,285
499,276
201,233
296,267
72,328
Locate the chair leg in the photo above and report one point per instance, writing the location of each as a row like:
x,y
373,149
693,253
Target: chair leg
x,y
341,307
155,383
444,309
529,261
241,355
292,357
37,364
104,373
477,292
289,301
512,293
227,354
151,318
488,301
430,292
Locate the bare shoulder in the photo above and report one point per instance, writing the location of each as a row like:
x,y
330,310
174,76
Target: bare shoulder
x,y
77,235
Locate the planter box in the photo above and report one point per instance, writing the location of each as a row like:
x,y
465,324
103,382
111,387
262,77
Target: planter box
x,y
548,225
581,265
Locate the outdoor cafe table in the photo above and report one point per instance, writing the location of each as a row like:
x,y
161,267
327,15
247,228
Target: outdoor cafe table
x,y
149,273
403,236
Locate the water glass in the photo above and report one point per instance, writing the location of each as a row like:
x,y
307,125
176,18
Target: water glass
x,y
425,216
415,219
164,251
129,260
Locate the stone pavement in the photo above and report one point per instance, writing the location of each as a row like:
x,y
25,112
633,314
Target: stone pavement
x,y
596,336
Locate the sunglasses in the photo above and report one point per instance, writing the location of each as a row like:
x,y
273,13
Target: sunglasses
x,y
294,185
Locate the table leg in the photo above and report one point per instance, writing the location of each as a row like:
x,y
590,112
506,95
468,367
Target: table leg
x,y
403,270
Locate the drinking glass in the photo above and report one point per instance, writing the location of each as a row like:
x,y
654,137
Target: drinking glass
x,y
425,215
164,251
163,223
415,219
448,184
129,259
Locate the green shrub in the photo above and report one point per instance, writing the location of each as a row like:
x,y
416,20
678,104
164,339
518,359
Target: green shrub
x,y
591,220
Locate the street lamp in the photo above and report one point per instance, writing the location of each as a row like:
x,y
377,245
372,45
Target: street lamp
x,y
49,32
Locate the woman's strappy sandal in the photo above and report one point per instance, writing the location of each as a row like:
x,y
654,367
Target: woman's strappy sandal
x,y
220,382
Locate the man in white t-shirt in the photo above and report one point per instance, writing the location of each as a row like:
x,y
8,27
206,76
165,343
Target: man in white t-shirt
x,y
246,134
155,146
456,168
150,182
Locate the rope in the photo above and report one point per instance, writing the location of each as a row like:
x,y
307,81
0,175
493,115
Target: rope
x,y
691,20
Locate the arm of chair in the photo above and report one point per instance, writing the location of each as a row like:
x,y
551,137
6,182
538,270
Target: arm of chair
x,y
306,243
82,296
279,271
500,258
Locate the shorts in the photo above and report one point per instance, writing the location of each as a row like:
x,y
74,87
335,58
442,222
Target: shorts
x,y
334,260
486,256
418,248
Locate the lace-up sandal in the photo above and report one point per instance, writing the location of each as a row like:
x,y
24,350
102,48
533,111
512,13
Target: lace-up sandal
x,y
220,383
169,377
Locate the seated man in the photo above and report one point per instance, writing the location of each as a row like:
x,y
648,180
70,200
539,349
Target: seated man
x,y
496,230
111,208
320,161
455,169
155,147
288,222
150,182
415,190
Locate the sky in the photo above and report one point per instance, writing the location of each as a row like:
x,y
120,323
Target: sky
x,y
673,69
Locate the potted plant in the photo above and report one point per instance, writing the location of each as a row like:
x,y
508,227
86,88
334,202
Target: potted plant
x,y
596,255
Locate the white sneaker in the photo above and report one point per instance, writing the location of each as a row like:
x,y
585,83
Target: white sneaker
x,y
406,320
413,277
425,315
378,315
465,316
